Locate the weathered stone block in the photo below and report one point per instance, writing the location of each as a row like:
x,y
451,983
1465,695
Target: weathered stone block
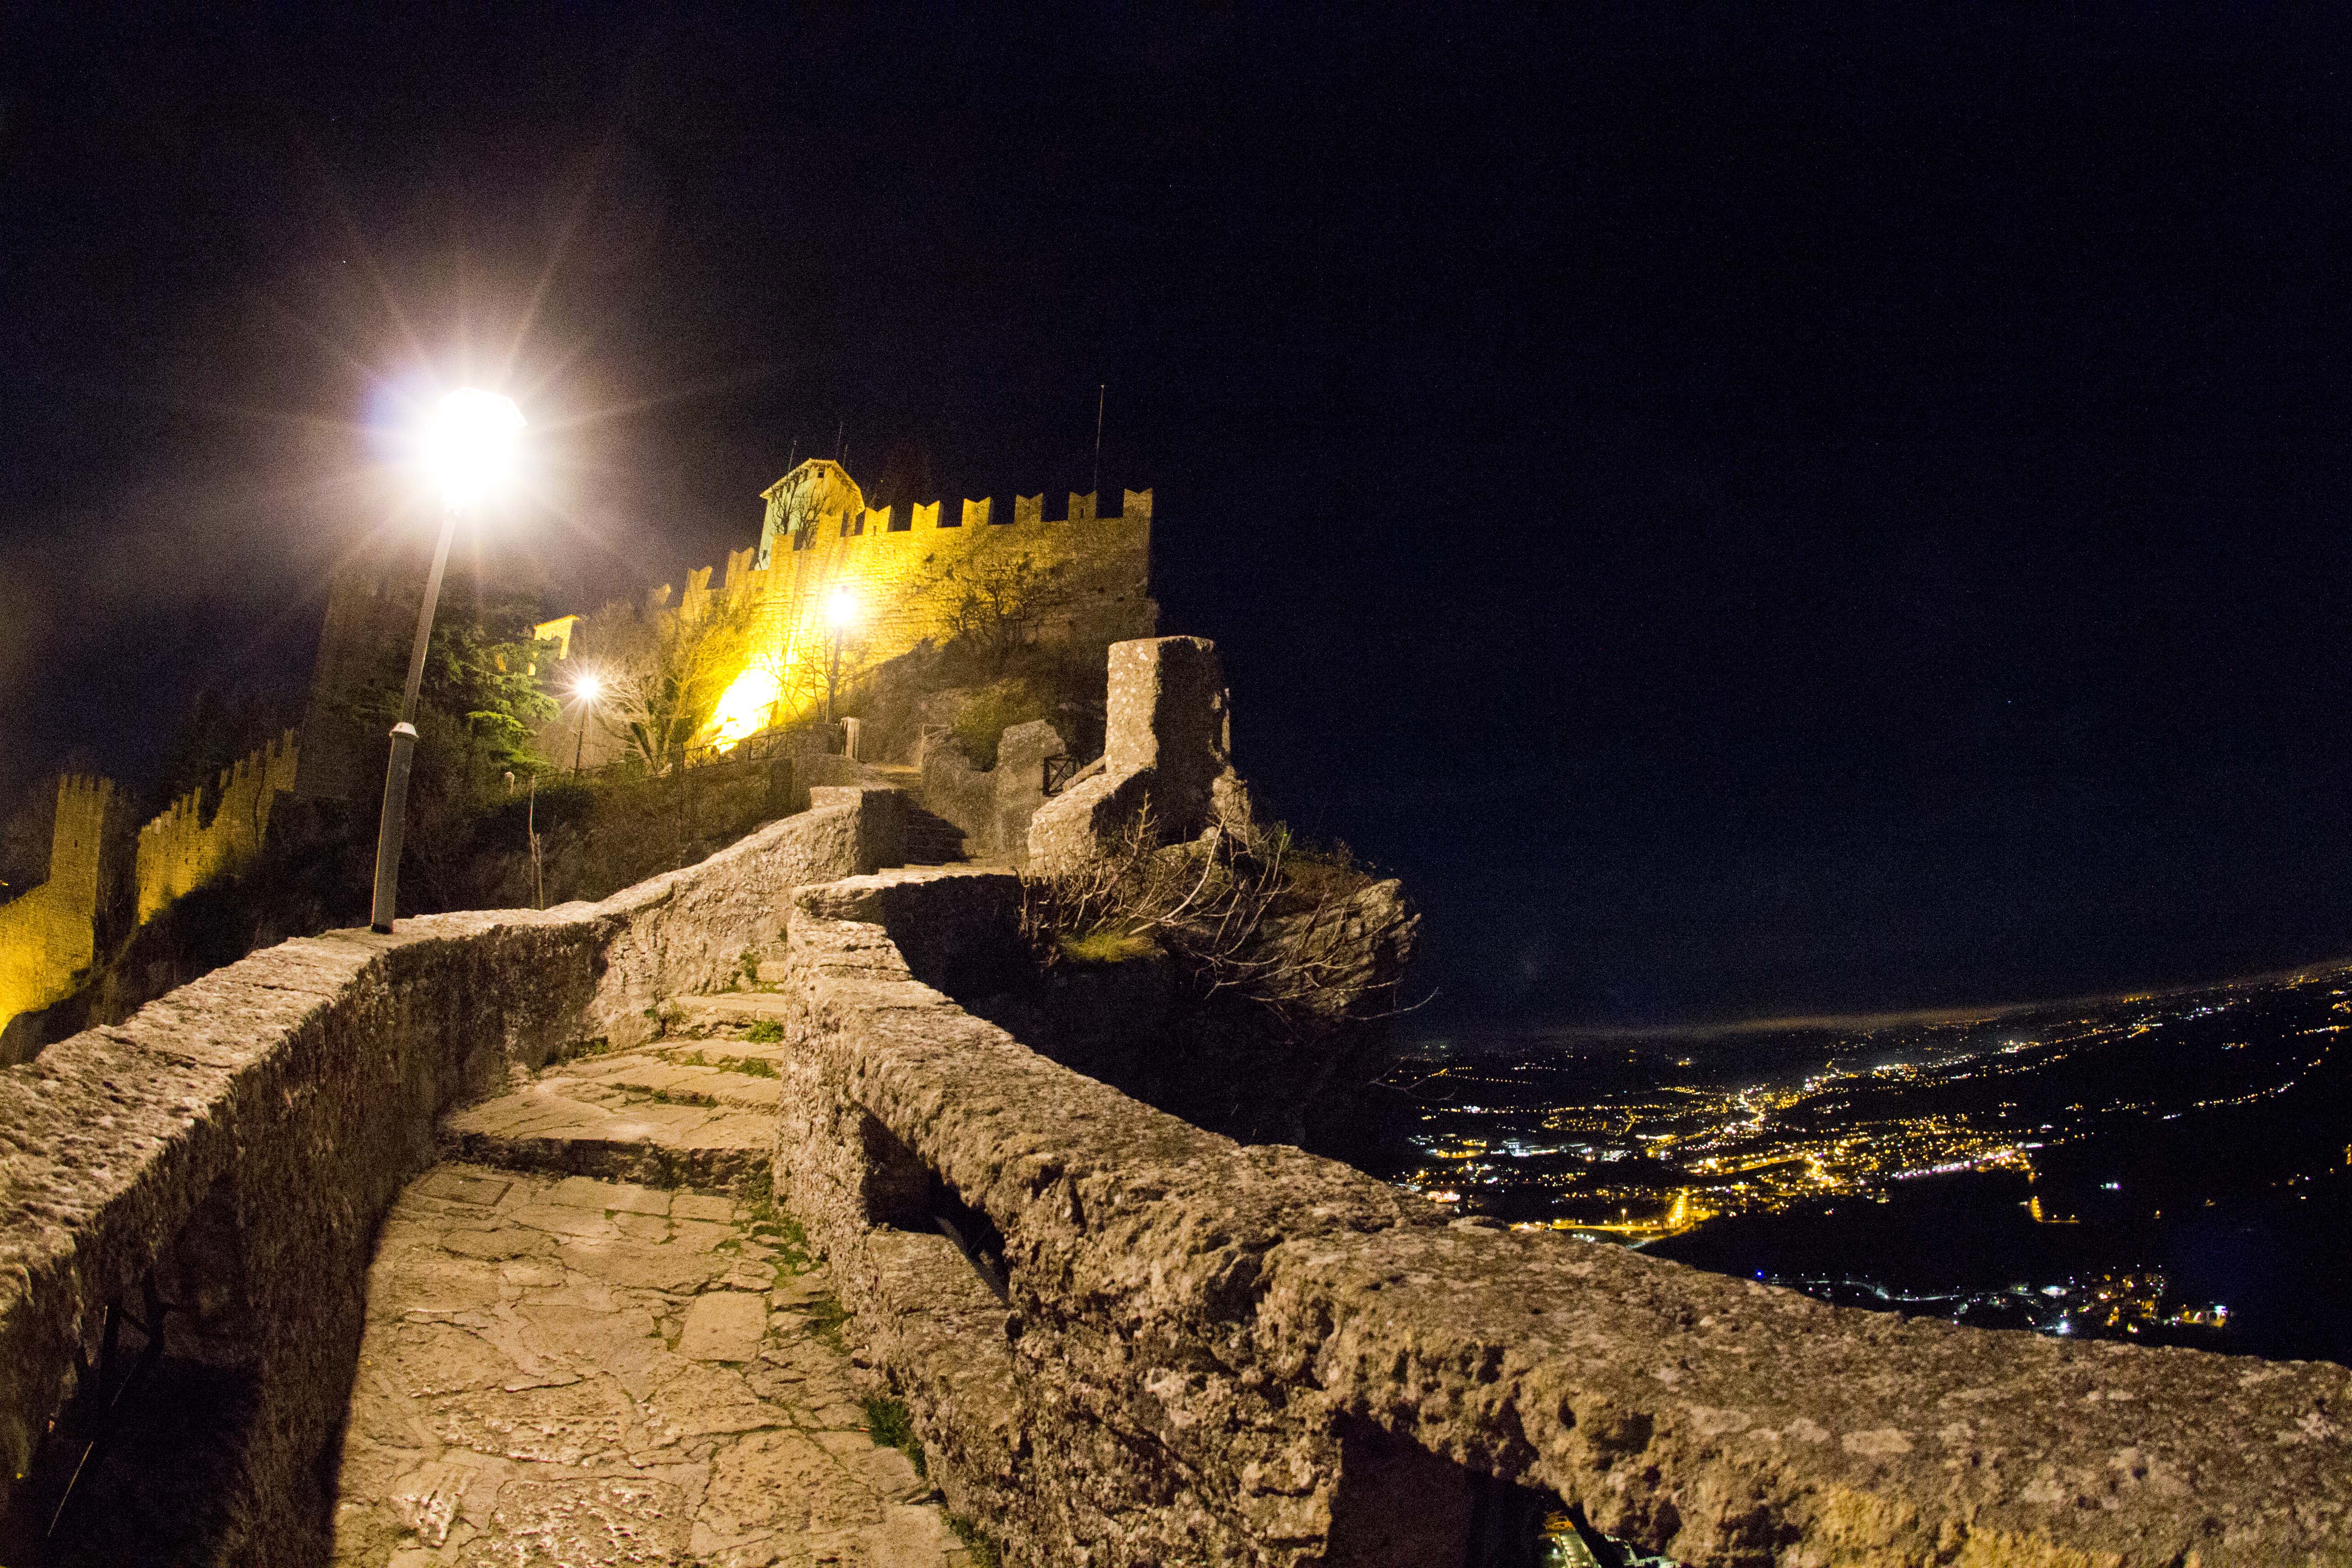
x,y
1166,741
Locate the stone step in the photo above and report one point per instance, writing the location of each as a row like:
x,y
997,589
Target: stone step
x,y
561,1370
594,1126
931,841
664,1076
729,1007
724,1052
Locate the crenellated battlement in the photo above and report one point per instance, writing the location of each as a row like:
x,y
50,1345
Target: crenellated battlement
x,y
1084,576
180,851
48,934
809,529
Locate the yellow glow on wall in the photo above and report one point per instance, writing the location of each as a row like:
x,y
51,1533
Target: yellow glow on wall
x,y
179,852
747,705
887,580
47,938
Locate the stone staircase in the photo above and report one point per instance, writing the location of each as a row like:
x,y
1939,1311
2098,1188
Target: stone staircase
x,y
931,839
696,1108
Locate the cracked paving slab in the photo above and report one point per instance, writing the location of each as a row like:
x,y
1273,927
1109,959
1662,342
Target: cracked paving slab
x,y
563,1371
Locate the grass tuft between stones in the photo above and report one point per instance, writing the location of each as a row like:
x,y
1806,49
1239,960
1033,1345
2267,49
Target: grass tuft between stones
x,y
983,1550
766,1032
774,1227
825,1315
891,1426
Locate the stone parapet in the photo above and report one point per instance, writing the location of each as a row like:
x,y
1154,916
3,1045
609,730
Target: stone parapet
x,y
993,806
234,1144
1224,1353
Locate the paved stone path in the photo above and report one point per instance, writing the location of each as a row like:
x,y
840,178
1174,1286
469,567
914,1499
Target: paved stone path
x,y
563,1370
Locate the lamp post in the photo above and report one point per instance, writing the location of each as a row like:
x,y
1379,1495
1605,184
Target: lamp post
x,y
468,446
841,612
586,690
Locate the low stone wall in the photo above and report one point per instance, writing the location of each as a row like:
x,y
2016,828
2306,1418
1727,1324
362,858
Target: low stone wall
x,y
234,1144
1210,1353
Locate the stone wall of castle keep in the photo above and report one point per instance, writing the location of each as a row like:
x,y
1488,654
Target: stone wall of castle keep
x,y
1081,579
180,851
1195,1352
48,936
238,1141
905,567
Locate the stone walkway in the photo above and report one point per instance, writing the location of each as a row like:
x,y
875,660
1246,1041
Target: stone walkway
x,y
565,1370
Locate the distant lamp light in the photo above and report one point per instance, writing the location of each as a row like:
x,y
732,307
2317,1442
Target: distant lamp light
x,y
587,689
471,444
840,609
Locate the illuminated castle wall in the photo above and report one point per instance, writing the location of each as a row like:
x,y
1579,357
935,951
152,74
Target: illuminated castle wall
x,y
179,851
49,936
901,573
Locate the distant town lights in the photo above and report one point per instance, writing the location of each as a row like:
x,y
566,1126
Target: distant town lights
x,y
469,444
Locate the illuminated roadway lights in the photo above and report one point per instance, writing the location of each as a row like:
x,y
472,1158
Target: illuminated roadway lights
x,y
470,446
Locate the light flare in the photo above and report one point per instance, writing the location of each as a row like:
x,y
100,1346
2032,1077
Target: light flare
x,y
469,444
747,706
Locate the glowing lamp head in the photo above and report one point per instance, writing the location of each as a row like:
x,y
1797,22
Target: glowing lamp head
x,y
471,444
840,609
588,688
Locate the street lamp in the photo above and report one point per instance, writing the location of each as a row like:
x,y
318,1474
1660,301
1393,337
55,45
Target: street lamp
x,y
470,446
586,688
841,613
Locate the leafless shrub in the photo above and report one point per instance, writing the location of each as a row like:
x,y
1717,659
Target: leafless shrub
x,y
1310,937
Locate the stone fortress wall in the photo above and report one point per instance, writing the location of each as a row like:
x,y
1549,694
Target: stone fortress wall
x,y
363,639
902,572
180,851
1143,1343
48,934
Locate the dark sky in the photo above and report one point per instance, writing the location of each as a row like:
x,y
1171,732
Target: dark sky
x,y
1833,511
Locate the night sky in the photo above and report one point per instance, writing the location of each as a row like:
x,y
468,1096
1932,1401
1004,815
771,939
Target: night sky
x,y
1747,515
